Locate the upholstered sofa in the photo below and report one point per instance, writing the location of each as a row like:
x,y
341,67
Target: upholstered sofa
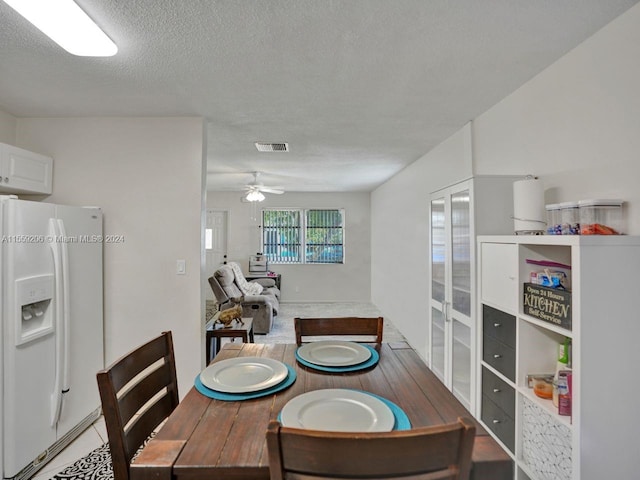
x,y
260,296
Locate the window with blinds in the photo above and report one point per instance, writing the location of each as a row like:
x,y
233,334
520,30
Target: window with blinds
x,y
282,236
303,236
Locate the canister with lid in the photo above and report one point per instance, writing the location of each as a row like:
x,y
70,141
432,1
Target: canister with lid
x,y
569,218
554,223
601,217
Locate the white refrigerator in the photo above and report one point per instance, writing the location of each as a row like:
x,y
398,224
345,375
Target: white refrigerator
x,y
51,326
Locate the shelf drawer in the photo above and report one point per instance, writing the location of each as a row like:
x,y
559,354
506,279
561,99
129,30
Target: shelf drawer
x,y
498,422
499,325
499,391
500,356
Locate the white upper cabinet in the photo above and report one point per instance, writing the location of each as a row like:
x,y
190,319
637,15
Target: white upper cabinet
x,y
22,171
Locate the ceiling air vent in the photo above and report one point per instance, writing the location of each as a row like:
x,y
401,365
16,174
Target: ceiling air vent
x,y
272,147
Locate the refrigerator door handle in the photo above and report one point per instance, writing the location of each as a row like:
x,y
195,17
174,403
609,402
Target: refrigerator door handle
x,y
56,396
66,322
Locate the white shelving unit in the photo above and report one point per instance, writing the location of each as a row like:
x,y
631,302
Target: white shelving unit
x,y
599,440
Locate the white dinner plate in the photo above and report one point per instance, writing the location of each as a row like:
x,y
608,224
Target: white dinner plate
x,y
338,410
334,353
243,374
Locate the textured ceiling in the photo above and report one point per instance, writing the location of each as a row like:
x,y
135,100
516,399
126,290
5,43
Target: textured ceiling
x,y
358,88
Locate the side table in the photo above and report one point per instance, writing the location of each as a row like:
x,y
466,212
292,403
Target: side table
x,y
255,275
237,330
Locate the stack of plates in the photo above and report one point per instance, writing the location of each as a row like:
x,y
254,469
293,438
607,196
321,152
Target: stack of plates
x,y
343,410
337,355
241,378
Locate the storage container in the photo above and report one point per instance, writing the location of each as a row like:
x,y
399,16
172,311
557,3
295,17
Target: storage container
x,y
258,263
569,218
554,220
601,217
549,274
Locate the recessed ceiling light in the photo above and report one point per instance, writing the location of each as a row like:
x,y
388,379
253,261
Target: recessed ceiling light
x,y
272,147
66,24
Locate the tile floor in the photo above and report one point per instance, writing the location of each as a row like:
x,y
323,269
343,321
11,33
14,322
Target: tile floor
x,y
96,435
90,439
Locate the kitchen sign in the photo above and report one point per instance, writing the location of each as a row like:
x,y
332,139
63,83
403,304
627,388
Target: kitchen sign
x,y
549,304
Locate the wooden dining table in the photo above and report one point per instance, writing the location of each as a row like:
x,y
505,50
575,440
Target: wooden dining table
x,y
214,439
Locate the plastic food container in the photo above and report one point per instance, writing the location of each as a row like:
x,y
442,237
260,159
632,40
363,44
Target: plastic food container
x,y
569,218
554,220
601,217
543,388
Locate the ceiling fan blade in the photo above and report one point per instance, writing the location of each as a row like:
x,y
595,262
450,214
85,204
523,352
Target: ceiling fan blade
x,y
271,190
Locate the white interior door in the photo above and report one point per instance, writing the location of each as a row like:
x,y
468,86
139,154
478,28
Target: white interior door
x,y
216,242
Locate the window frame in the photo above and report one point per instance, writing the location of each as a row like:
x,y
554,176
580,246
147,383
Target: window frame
x,y
303,213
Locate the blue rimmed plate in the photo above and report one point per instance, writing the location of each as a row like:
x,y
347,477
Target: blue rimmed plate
x,y
373,359
234,397
338,410
334,353
243,374
401,420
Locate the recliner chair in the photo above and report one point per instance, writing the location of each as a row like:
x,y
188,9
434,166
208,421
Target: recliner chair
x,y
261,307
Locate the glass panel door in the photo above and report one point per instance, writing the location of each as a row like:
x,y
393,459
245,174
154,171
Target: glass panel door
x,y
461,363
438,250
437,343
461,252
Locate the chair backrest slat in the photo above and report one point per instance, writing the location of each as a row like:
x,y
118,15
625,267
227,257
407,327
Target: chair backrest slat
x,y
442,451
156,380
344,326
144,424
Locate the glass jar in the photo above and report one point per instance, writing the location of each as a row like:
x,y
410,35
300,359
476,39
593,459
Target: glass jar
x,y
569,218
601,217
554,223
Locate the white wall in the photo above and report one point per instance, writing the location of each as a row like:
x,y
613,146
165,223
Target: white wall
x,y
7,128
349,282
146,175
400,236
576,125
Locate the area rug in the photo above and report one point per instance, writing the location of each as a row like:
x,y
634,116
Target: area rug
x,y
282,330
94,466
97,464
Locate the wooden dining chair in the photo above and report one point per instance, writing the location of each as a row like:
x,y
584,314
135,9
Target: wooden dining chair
x,y
150,398
345,326
435,452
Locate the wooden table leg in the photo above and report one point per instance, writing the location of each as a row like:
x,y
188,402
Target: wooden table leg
x,y
246,334
209,337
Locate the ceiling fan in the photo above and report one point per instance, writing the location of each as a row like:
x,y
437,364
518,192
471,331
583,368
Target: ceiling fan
x,y
254,190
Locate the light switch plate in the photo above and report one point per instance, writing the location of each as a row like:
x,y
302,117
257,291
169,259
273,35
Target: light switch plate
x,y
181,267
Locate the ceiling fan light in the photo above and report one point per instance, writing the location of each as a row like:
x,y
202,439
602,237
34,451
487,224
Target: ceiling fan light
x,y
255,196
66,24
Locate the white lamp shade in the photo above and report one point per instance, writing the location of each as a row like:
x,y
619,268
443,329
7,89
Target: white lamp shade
x,y
255,196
